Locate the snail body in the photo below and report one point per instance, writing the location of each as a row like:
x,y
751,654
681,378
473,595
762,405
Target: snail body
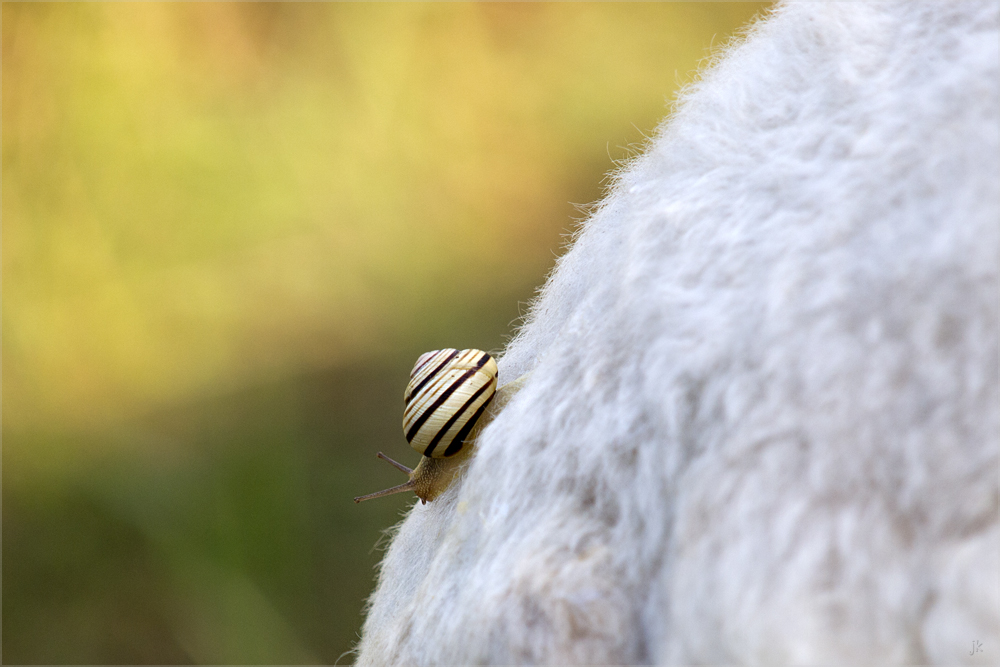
x,y
444,406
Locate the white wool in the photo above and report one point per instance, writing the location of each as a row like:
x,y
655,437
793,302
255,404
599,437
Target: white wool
x,y
763,419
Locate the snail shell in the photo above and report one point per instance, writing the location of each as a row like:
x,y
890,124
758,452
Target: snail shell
x,y
447,393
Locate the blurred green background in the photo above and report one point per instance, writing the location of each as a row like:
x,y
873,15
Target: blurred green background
x,y
228,232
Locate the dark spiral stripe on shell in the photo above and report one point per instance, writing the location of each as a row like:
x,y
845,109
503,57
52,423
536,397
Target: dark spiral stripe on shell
x,y
416,390
456,444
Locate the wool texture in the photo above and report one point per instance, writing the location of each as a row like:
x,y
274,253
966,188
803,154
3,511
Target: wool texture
x,y
762,422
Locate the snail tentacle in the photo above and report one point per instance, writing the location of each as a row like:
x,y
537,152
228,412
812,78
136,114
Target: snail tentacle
x,y
395,463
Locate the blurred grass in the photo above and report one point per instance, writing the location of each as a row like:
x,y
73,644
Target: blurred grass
x,y
228,230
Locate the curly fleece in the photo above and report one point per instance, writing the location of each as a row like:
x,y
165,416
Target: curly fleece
x,y
762,422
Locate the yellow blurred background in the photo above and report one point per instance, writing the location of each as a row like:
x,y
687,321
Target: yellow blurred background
x,y
228,231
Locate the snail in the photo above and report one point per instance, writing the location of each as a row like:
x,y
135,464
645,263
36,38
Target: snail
x,y
445,406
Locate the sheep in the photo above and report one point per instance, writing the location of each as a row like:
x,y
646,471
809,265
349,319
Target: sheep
x,y
762,418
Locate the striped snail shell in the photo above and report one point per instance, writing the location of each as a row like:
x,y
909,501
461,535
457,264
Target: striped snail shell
x,y
447,393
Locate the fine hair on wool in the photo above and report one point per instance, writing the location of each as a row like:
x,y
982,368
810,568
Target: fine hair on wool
x,y
762,418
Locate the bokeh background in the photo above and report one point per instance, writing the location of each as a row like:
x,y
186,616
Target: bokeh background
x,y
228,232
